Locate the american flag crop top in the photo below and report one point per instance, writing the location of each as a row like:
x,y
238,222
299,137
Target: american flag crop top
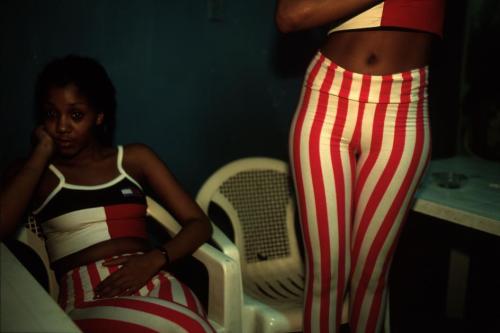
x,y
423,15
74,217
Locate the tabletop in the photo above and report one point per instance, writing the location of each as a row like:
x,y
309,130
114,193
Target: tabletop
x,y
24,305
473,201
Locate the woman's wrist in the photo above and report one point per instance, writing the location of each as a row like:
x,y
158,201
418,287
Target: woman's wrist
x,y
38,160
164,254
43,151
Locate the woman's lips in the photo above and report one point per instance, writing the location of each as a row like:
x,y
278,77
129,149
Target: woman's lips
x,y
64,143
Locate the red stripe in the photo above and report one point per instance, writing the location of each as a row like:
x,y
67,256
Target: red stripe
x,y
188,323
95,278
378,194
297,134
320,197
397,204
77,285
356,138
109,325
126,220
363,96
165,291
150,285
112,269
338,174
375,146
63,292
426,15
190,300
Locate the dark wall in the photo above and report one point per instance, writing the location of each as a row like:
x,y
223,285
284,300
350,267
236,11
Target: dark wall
x,y
198,86
202,82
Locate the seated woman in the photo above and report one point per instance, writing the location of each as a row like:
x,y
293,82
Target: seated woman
x,y
88,198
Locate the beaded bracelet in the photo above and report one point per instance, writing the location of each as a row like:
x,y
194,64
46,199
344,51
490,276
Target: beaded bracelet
x,y
164,252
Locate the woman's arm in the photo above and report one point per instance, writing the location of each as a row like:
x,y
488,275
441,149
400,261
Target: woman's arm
x,y
293,15
196,228
142,163
20,182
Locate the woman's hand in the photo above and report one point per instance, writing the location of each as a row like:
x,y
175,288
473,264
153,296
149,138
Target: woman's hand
x,y
19,183
43,141
135,271
294,15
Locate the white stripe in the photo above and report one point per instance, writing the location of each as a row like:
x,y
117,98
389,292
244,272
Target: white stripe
x,y
107,184
310,207
119,164
370,18
88,292
132,316
178,308
103,271
70,293
66,222
156,286
65,237
54,191
177,291
330,193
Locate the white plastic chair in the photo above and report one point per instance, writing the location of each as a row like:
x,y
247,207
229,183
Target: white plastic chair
x,y
256,194
224,301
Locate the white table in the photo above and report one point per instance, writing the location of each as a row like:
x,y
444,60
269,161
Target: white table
x,y
24,305
475,205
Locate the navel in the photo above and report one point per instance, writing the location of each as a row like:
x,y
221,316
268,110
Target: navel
x,y
372,59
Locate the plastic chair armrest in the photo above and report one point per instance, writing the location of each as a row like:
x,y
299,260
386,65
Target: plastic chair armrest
x,y
225,300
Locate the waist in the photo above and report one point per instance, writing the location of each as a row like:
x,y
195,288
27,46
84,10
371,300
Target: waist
x,y
327,77
379,51
99,251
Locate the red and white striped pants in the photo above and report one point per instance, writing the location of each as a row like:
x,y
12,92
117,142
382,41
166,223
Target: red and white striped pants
x,y
164,304
359,145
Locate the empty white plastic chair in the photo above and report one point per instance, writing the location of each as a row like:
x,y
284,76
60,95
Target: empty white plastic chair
x,y
256,197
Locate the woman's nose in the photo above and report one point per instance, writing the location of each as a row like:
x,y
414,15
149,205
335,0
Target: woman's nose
x,y
62,124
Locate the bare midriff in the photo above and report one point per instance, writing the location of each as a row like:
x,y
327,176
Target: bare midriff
x,y
379,52
103,250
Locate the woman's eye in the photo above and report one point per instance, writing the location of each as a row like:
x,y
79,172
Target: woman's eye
x,y
76,115
50,114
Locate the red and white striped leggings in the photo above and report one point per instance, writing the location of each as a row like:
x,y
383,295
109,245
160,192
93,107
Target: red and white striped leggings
x,y
164,304
359,145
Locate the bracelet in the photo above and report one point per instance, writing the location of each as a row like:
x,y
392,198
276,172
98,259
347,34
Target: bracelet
x,y
164,252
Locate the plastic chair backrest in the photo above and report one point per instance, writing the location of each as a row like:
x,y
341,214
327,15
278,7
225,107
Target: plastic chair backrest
x,y
256,194
32,236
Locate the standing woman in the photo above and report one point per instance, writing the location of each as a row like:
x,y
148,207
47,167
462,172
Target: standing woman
x,y
88,198
359,144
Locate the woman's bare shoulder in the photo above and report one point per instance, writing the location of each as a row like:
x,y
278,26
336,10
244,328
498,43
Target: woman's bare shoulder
x,y
140,160
138,151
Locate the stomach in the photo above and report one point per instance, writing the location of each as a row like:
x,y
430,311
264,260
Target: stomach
x,y
102,250
379,51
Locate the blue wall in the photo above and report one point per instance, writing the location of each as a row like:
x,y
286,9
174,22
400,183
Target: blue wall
x,y
201,92
201,89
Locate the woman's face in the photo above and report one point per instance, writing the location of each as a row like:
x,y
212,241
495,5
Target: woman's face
x,y
70,120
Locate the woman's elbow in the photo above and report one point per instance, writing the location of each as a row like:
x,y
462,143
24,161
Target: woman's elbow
x,y
291,19
207,230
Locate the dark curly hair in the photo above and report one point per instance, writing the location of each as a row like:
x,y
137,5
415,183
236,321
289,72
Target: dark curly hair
x,y
92,81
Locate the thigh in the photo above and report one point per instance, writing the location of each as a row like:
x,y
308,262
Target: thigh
x,y
137,314
164,304
388,174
